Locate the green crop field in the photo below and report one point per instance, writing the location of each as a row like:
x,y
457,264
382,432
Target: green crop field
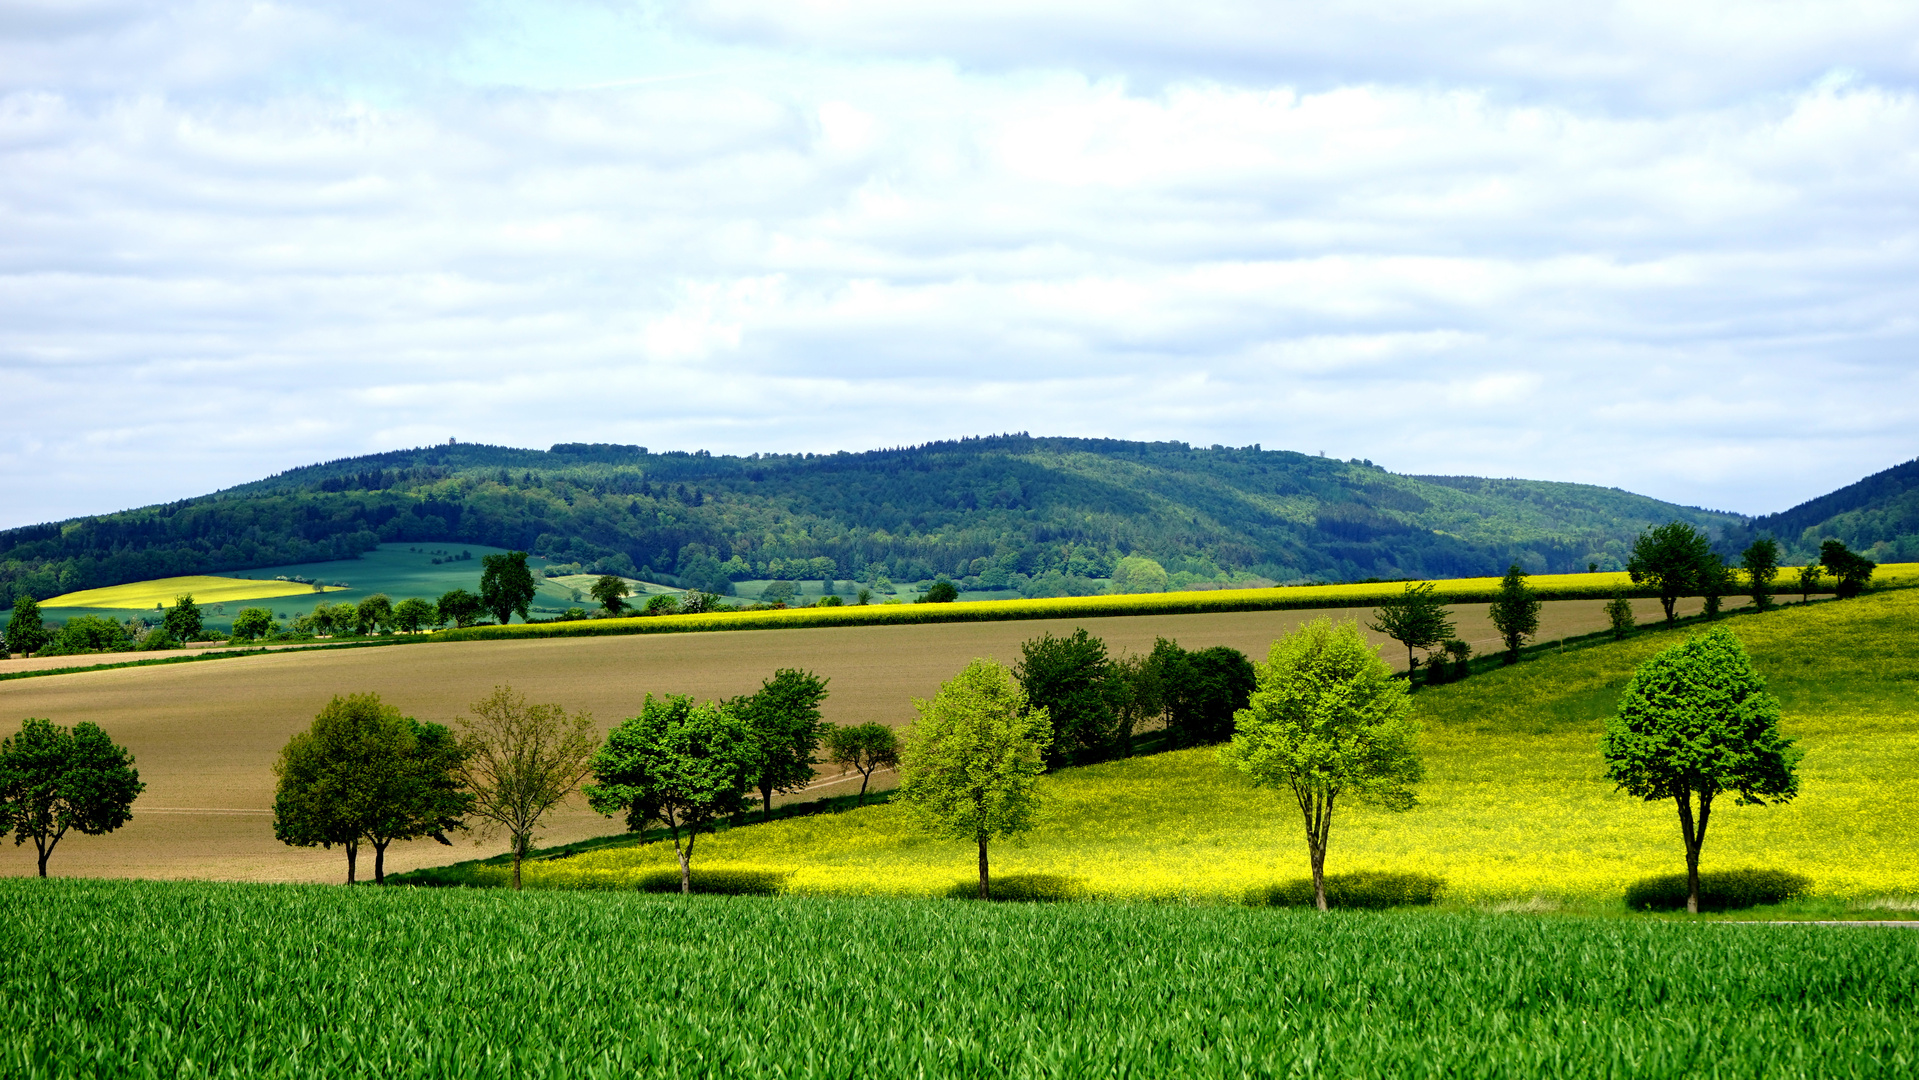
x,y
150,979
1515,807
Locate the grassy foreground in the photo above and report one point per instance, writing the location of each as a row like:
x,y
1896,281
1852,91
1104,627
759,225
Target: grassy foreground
x,y
151,979
1515,807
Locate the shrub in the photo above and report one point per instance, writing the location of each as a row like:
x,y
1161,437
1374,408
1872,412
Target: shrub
x,y
1364,889
830,601
1719,890
718,882
1026,888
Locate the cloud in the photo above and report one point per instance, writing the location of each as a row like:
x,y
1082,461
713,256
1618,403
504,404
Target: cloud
x,y
238,238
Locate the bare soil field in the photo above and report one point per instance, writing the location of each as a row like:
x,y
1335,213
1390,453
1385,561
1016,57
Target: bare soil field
x,y
205,735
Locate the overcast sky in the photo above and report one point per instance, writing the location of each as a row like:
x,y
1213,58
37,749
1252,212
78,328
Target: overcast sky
x,y
1666,246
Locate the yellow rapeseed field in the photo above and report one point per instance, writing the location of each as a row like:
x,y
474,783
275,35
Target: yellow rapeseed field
x,y
204,589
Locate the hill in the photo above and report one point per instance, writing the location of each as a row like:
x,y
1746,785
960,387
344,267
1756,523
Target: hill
x,y
1878,516
1041,516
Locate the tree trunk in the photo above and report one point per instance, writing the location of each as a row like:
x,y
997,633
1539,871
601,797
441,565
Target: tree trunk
x,y
45,848
865,779
379,861
766,803
985,891
519,854
1319,875
1695,837
352,857
1668,603
1317,808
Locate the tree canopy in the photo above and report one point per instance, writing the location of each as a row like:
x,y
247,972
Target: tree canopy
x,y
1416,619
26,629
182,621
1761,563
611,591
1068,678
784,716
506,585
1671,558
520,760
863,748
1515,611
1850,571
54,781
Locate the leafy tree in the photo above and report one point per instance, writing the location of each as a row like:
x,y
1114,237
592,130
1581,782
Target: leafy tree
x,y
1715,581
970,765
663,604
784,717
779,592
88,633
413,615
1761,561
1416,619
941,592
1067,678
506,585
420,793
695,602
182,620
521,761
1515,612
683,765
864,749
26,630
1200,692
1851,572
375,613
1809,575
253,623
1695,722
611,591
1670,558
459,607
53,781
1328,719
1138,574
330,775
1619,614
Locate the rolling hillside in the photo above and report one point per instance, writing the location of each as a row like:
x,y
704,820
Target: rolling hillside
x,y
1878,516
1042,515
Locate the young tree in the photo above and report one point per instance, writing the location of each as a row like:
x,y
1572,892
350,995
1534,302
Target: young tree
x,y
506,585
1619,614
374,614
865,749
182,620
253,623
1670,557
459,607
521,761
1416,619
332,775
971,762
1066,677
683,765
1515,612
53,781
413,615
26,630
1715,581
1694,722
611,591
941,592
784,716
1851,571
1761,561
1809,575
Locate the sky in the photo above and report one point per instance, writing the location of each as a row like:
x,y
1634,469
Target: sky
x,y
1667,247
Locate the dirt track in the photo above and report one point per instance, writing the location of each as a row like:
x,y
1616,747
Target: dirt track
x,y
205,735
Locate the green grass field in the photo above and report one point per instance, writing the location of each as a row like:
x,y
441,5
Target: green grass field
x,y
1515,807
150,979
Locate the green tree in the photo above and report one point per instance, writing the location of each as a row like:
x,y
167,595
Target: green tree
x,y
683,765
1067,678
971,763
459,607
26,630
942,591
53,781
1138,574
1515,612
88,633
1327,720
1619,614
1416,619
1850,571
253,623
419,794
182,620
663,604
611,591
779,592
1809,575
1761,561
784,716
414,614
1670,558
332,775
1200,692
506,585
1695,722
521,761
1715,581
864,749
375,613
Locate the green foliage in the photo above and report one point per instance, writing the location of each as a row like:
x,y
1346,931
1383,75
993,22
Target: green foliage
x,y
182,620
1374,889
1761,563
1416,619
1619,615
611,591
1071,680
26,630
1715,581
1138,574
784,717
1328,719
53,781
941,591
1809,576
1671,558
969,764
1852,571
662,604
1515,611
506,586
1719,890
1696,721
88,633
1452,663
678,763
1200,692
862,748
460,607
373,614
415,614
252,623
779,592
519,761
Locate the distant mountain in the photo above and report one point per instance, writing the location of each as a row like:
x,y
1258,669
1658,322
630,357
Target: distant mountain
x,y
1878,516
1039,514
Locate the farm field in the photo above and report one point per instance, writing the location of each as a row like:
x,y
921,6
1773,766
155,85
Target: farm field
x,y
205,589
172,978
206,734
1515,807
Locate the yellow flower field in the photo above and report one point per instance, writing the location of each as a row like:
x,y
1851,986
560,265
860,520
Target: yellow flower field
x,y
205,590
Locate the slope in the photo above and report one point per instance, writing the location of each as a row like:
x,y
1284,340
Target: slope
x,y
1878,516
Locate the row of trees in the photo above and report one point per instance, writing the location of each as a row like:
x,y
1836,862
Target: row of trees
x,y
1677,560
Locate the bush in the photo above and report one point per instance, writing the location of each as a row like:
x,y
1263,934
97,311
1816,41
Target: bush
x,y
1719,890
718,882
830,601
1365,889
1022,888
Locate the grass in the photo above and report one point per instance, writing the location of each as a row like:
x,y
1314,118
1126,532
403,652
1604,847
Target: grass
x,y
1515,806
148,979
142,595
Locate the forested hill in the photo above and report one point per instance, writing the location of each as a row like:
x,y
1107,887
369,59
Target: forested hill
x,y
1048,508
1878,516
